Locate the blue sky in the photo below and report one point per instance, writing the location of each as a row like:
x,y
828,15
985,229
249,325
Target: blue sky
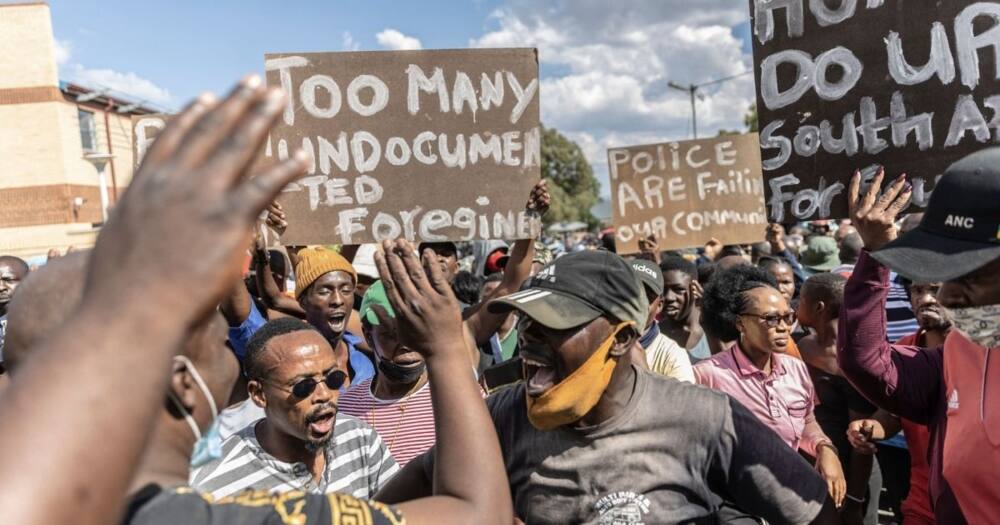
x,y
604,65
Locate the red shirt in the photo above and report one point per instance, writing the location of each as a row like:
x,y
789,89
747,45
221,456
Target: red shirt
x,y
406,425
917,507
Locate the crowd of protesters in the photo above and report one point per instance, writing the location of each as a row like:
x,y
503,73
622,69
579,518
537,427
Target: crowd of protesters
x,y
187,371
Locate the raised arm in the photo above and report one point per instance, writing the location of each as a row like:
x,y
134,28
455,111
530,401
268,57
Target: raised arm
x,y
192,194
268,288
469,481
479,321
899,379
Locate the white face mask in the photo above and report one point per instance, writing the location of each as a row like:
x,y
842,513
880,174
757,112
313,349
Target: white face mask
x,y
980,324
208,446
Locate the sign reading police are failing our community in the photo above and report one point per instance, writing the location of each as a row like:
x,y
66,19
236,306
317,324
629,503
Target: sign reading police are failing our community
x,y
426,145
687,192
858,84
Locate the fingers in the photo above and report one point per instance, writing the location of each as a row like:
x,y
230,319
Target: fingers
x,y
383,317
839,490
889,196
388,282
215,125
254,195
901,201
869,199
168,140
414,269
242,143
852,193
399,272
434,273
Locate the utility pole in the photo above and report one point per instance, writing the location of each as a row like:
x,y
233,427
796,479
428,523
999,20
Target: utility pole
x,y
692,91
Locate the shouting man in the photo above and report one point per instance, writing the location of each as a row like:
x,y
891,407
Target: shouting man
x,y
585,413
302,443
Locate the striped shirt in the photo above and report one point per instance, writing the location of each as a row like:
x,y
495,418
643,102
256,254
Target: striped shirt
x,y
407,423
900,320
357,463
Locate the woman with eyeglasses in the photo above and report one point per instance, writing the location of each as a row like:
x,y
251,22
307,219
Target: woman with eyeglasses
x,y
743,304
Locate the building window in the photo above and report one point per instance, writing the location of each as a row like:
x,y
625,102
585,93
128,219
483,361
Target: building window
x,y
88,130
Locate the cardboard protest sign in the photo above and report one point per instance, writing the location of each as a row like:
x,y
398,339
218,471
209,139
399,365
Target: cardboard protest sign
x,y
145,128
426,145
688,192
912,86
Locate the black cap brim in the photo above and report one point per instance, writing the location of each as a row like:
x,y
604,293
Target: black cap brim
x,y
551,308
925,257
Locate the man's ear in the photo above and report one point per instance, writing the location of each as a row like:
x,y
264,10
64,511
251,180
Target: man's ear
x,y
623,342
256,391
183,386
820,307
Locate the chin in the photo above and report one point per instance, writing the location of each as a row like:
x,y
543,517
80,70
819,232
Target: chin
x,y
314,446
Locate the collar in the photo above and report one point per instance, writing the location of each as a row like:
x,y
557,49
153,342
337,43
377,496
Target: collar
x,y
650,336
297,469
746,368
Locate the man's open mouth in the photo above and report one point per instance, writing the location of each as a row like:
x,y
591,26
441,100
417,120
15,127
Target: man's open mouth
x,y
321,424
337,321
539,373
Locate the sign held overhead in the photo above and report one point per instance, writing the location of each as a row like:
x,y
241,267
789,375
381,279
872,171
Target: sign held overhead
x,y
427,145
911,86
687,192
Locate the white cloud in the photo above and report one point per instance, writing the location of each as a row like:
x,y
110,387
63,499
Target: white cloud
x,y
393,39
117,83
347,42
128,84
605,68
63,50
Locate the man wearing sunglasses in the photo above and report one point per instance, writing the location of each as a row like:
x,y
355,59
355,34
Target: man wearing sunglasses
x,y
302,443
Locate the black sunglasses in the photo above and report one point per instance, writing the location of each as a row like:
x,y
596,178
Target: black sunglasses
x,y
304,388
773,320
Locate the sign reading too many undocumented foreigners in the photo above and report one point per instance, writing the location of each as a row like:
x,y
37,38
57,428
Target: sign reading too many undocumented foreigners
x,y
687,193
426,145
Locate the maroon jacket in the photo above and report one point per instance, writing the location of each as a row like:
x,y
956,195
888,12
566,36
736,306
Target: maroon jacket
x,y
875,367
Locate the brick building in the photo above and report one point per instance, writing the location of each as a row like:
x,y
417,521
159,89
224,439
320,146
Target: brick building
x,y
54,137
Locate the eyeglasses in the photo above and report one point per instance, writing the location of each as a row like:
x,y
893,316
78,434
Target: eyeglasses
x,y
304,388
773,320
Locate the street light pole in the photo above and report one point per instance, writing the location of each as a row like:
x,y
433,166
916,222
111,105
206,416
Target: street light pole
x,y
692,91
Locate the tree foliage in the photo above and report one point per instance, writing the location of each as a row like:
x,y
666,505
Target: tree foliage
x,y
572,184
750,119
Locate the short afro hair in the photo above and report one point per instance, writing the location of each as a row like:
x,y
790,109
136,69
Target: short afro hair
x,y
467,287
826,287
725,299
258,343
677,263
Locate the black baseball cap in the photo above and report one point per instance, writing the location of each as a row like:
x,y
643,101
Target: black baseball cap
x,y
649,274
960,231
578,288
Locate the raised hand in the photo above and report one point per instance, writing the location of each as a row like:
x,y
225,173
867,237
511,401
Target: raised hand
x,y
649,248
775,236
875,217
427,312
193,195
712,248
540,200
276,219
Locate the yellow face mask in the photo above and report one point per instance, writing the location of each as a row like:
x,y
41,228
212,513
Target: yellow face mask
x,y
577,394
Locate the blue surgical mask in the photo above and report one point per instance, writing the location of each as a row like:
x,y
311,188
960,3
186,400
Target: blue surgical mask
x,y
207,446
